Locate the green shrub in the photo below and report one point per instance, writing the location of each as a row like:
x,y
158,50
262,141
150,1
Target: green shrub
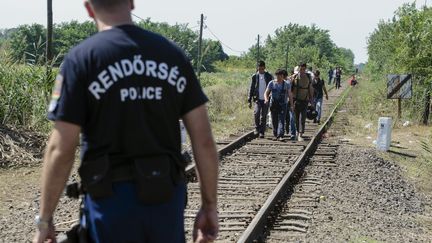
x,y
24,91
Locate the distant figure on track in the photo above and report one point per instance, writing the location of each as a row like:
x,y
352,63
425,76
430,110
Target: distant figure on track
x,y
319,91
338,77
124,90
280,91
353,81
330,76
303,96
259,83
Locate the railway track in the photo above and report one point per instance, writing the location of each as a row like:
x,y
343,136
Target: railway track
x,y
291,217
255,176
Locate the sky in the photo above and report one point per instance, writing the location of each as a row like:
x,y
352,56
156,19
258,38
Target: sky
x,y
234,22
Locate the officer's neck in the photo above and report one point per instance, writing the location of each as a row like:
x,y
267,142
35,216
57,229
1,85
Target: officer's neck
x,y
107,21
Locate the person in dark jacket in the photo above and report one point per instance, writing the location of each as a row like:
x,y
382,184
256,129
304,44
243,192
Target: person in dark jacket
x,y
338,77
119,96
319,90
259,83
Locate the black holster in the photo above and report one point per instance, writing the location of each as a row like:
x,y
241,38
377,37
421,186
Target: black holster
x,y
155,177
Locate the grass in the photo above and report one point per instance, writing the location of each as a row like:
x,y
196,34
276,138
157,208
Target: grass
x,y
24,92
227,92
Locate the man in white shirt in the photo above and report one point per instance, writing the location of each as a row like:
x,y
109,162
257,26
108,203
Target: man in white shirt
x,y
259,83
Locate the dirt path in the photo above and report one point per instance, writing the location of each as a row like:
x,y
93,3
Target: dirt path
x,y
367,199
19,204
20,168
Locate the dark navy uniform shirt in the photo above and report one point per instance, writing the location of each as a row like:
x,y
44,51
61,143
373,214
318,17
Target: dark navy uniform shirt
x,y
126,88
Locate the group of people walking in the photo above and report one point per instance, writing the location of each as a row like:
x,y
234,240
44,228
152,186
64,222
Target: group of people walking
x,y
289,97
335,75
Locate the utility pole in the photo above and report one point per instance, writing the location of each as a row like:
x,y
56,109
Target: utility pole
x,y
286,56
258,48
200,47
49,35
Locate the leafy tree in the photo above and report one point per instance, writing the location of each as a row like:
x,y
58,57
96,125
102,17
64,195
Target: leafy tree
x,y
187,39
404,45
304,44
27,43
69,34
212,52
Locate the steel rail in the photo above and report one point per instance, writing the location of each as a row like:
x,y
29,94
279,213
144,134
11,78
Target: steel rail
x,y
256,228
190,169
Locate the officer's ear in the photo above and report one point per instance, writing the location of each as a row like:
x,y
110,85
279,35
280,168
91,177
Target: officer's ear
x,y
89,8
132,5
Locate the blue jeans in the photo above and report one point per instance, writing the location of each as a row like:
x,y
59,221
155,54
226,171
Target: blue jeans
x,y
318,107
123,218
278,119
290,121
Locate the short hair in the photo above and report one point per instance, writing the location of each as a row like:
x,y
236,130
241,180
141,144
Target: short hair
x,y
280,72
317,73
261,64
303,65
107,4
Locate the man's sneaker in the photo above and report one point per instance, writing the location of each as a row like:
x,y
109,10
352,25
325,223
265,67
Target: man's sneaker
x,y
319,122
261,135
281,139
256,132
300,138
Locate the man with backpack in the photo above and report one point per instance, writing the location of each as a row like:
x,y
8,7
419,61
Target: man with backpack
x,y
259,83
319,91
303,96
280,91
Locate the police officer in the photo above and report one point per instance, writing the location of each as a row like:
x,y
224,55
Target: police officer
x,y
124,90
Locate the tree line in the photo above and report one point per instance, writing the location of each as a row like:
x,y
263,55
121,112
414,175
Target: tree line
x,y
26,43
403,45
293,44
310,44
